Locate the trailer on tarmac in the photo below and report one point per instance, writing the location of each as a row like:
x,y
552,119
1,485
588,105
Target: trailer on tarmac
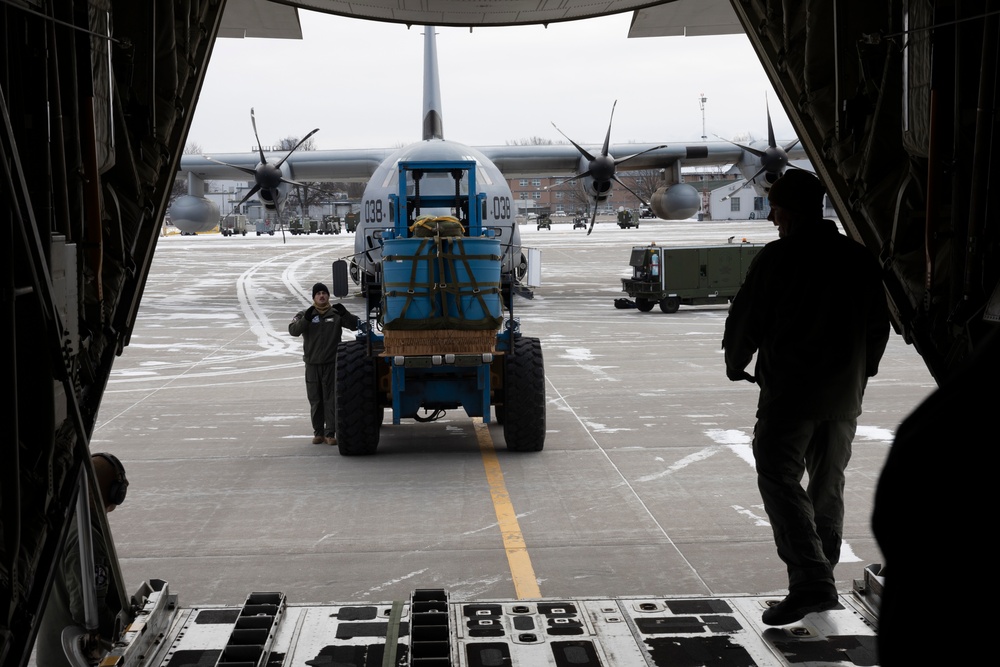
x,y
692,276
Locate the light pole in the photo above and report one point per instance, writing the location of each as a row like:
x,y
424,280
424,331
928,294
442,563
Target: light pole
x,y
701,105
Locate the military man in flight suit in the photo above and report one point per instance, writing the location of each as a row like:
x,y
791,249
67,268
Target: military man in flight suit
x,y
321,326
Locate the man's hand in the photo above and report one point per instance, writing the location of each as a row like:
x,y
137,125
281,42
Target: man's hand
x,y
737,374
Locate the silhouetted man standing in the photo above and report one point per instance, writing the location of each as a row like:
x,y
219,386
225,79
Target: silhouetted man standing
x,y
813,310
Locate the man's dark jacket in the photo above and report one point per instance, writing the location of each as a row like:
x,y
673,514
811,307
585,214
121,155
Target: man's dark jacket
x,y
813,308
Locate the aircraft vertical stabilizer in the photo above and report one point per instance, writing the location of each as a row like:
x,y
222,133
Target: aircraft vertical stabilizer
x,y
433,126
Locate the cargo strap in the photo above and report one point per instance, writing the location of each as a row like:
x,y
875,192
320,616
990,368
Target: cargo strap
x,y
392,635
457,287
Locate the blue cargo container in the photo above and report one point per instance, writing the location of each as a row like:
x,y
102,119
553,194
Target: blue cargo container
x,y
441,282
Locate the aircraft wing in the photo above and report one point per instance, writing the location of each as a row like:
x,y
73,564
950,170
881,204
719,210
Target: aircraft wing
x,y
260,18
564,159
330,165
686,18
513,161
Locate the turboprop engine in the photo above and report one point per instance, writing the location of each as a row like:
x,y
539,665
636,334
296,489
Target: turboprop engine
x,y
675,202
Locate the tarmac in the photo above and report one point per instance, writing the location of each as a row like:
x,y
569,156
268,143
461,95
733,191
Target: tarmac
x,y
645,486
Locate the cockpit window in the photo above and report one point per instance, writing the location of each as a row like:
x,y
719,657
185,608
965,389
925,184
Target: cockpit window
x,y
482,176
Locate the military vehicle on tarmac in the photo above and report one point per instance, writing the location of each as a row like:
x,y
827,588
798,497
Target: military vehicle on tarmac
x,y
435,335
351,221
627,218
329,225
233,225
692,276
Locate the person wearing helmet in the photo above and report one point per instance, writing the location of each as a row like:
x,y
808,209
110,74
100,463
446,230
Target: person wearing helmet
x,y
813,311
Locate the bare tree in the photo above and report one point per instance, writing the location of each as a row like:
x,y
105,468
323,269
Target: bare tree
x,y
313,192
575,196
531,141
288,143
643,182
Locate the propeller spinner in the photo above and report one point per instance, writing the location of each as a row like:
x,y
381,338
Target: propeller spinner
x,y
773,159
602,169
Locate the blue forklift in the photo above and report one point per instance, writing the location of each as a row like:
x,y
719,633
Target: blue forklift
x,y
439,330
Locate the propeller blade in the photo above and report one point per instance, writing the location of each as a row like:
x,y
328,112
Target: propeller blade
x,y
607,137
789,146
571,179
254,190
623,160
749,149
634,193
593,218
580,148
747,182
754,177
304,139
291,182
770,128
260,149
245,170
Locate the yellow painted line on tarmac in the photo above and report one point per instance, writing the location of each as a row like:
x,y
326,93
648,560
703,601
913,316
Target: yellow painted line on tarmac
x,y
525,582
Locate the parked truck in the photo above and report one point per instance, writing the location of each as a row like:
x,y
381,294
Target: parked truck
x,y
692,276
233,225
628,218
439,331
264,226
329,225
351,221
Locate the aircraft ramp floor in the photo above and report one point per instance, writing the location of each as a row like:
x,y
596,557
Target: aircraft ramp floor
x,y
429,630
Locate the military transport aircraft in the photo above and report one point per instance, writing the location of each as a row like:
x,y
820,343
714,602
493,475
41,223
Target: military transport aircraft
x,y
595,167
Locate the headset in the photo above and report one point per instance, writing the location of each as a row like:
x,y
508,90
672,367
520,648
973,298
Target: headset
x,y
119,487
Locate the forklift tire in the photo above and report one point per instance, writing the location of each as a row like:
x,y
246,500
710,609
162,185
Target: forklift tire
x,y
670,304
524,397
498,414
644,305
359,415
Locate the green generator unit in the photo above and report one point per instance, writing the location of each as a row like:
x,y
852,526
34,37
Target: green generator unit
x,y
692,276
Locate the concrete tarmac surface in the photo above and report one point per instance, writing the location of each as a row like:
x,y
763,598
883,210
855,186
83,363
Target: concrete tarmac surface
x,y
645,486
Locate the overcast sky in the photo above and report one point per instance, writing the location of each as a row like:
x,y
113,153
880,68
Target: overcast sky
x,y
360,83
